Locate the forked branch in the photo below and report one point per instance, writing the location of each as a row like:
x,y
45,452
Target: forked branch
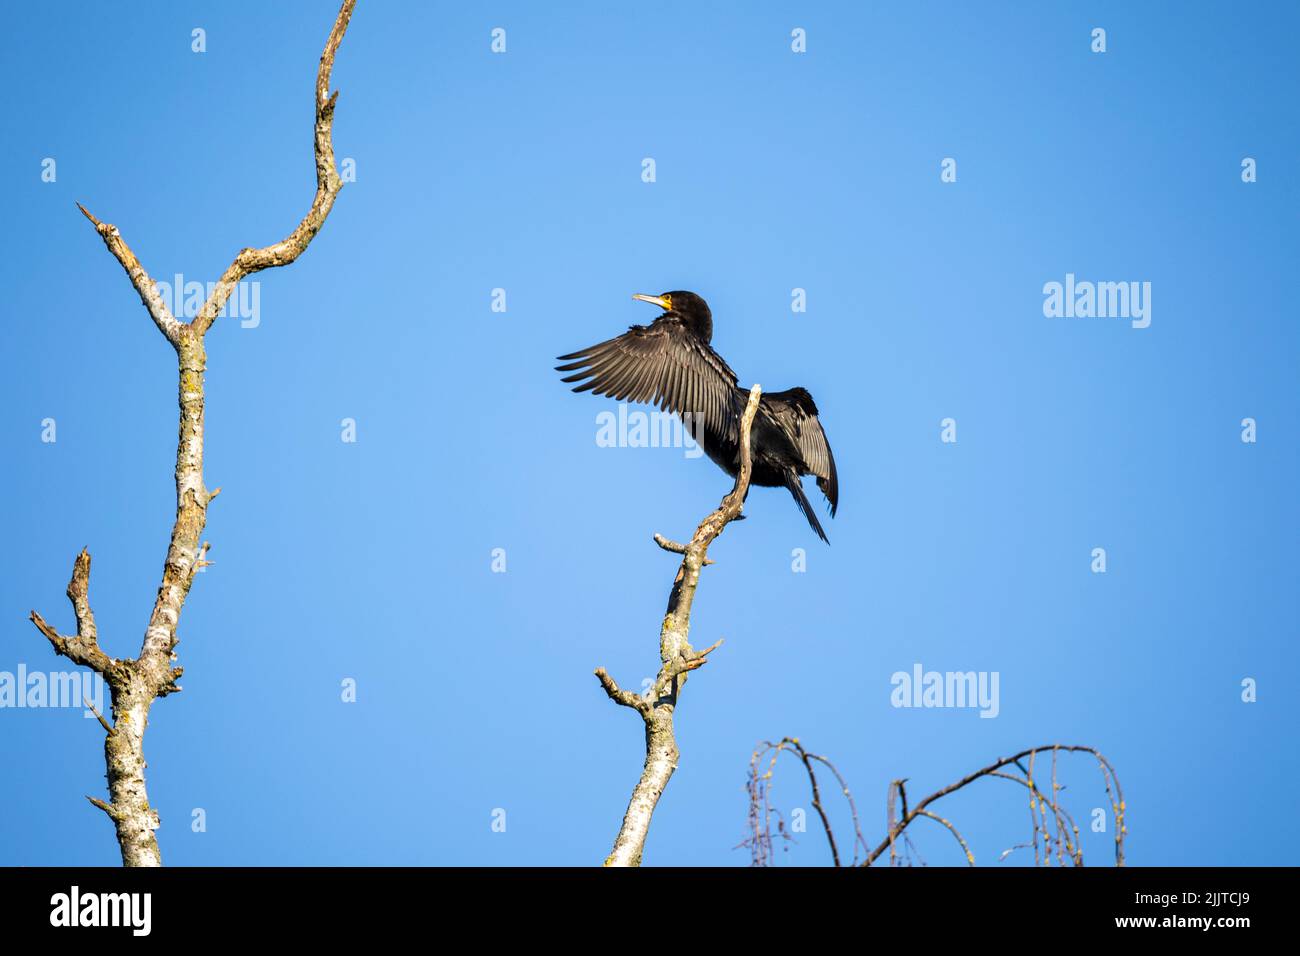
x,y
134,683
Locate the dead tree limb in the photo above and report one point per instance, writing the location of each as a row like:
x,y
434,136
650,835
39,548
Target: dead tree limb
x,y
678,658
134,683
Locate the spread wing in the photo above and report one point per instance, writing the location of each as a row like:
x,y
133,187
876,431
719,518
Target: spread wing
x,y
660,364
796,413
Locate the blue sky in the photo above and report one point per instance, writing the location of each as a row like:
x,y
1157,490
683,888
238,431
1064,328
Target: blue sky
x,y
475,171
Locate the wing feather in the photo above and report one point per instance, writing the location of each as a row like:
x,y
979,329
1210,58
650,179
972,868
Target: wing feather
x,y
661,364
796,413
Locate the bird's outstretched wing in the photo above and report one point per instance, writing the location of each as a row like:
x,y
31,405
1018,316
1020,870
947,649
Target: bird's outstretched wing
x,y
797,416
661,364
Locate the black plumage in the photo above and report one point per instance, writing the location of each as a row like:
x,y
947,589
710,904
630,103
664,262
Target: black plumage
x,y
671,363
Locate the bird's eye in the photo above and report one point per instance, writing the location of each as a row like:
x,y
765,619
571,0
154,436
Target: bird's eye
x,y
668,300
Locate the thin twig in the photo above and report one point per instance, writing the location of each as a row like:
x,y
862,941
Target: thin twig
x,y
970,857
108,728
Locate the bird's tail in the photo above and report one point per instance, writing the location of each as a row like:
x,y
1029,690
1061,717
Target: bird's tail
x,y
796,489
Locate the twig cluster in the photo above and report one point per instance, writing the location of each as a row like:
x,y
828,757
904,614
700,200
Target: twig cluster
x,y
1054,834
761,812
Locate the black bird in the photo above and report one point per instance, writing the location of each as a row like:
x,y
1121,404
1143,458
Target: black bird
x,y
670,363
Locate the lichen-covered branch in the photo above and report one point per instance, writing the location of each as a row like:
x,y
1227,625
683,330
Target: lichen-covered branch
x,y
135,683
328,184
82,649
144,285
657,706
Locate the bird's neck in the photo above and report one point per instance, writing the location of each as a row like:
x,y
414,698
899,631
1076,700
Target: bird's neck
x,y
702,326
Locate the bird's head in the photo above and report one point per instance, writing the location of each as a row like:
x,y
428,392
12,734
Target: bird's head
x,y
693,310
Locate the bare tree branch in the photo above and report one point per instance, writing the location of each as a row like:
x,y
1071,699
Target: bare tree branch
x,y
328,184
1063,839
1108,775
134,684
675,547
759,787
153,301
84,648
677,659
970,857
620,696
1067,829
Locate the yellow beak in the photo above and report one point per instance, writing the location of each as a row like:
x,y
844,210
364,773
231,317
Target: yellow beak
x,y
662,301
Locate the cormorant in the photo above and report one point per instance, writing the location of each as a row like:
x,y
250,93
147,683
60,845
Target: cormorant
x,y
670,363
